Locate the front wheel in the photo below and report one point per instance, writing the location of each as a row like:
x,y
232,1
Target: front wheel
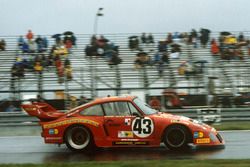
x,y
78,138
176,137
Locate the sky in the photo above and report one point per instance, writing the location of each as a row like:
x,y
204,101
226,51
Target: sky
x,y
46,17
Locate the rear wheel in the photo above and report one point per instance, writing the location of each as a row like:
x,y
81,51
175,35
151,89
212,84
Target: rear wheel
x,y
176,137
79,138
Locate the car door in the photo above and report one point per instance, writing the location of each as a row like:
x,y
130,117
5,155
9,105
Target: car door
x,y
117,120
123,124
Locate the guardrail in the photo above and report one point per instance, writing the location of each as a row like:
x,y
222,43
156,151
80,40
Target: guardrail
x,y
225,114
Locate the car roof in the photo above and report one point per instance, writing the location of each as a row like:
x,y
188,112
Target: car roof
x,y
113,99
104,100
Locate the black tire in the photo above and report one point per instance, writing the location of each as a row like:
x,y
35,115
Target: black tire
x,y
177,137
79,138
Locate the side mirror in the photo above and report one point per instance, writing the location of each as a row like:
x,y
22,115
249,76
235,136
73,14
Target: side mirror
x,y
136,114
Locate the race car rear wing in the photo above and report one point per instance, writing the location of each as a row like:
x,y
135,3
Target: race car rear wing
x,y
42,111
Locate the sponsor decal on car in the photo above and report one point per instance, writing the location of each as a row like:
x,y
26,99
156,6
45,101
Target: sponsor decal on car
x,y
70,121
175,120
127,121
125,134
203,141
53,138
198,135
130,143
53,131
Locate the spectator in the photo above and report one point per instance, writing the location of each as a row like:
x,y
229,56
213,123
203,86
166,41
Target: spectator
x,y
39,43
45,43
160,68
186,68
20,42
143,38
68,45
165,58
38,67
2,45
155,103
32,46
193,37
90,50
214,48
68,72
67,62
40,99
133,43
138,62
162,46
115,59
241,38
142,59
169,39
150,38
204,38
157,58
17,68
73,101
11,108
93,40
25,47
29,35
248,47
73,39
82,100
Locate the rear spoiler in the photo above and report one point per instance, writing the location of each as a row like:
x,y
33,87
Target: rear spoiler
x,y
42,111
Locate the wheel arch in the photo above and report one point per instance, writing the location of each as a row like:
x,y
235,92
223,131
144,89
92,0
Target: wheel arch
x,y
72,125
190,139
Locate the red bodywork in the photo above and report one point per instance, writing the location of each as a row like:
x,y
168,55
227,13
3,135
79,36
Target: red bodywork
x,y
115,130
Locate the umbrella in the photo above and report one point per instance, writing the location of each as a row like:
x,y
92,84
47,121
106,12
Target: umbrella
x,y
68,33
225,33
213,77
175,45
104,40
141,54
56,35
134,36
201,61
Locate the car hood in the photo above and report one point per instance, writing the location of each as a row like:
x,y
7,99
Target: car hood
x,y
183,120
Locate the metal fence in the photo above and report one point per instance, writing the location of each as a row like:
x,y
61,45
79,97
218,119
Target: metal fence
x,y
221,114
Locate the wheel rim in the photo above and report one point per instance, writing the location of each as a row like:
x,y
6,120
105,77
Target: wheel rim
x,y
176,137
78,138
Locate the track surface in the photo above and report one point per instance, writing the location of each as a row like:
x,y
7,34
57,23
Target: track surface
x,y
33,150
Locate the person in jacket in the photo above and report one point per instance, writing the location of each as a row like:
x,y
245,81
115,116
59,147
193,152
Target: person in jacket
x,y
214,48
29,35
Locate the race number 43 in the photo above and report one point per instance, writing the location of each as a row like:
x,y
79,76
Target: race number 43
x,y
142,127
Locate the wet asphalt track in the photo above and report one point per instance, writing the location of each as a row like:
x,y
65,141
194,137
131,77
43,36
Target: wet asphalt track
x,y
33,150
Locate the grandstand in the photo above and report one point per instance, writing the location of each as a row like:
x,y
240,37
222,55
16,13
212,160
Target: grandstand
x,y
94,77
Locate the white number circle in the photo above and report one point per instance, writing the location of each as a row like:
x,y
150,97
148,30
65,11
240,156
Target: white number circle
x,y
142,127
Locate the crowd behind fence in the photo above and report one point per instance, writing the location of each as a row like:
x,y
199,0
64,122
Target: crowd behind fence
x,y
215,64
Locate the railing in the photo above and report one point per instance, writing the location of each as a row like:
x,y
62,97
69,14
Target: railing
x,y
227,114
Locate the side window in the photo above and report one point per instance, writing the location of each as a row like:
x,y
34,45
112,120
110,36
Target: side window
x,y
122,108
133,110
93,110
109,109
116,109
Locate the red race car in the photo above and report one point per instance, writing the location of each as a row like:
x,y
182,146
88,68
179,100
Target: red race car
x,y
120,122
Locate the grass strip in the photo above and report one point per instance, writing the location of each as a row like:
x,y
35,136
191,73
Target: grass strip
x,y
145,163
243,125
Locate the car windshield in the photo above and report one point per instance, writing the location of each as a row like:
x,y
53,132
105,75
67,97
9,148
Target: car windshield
x,y
144,107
